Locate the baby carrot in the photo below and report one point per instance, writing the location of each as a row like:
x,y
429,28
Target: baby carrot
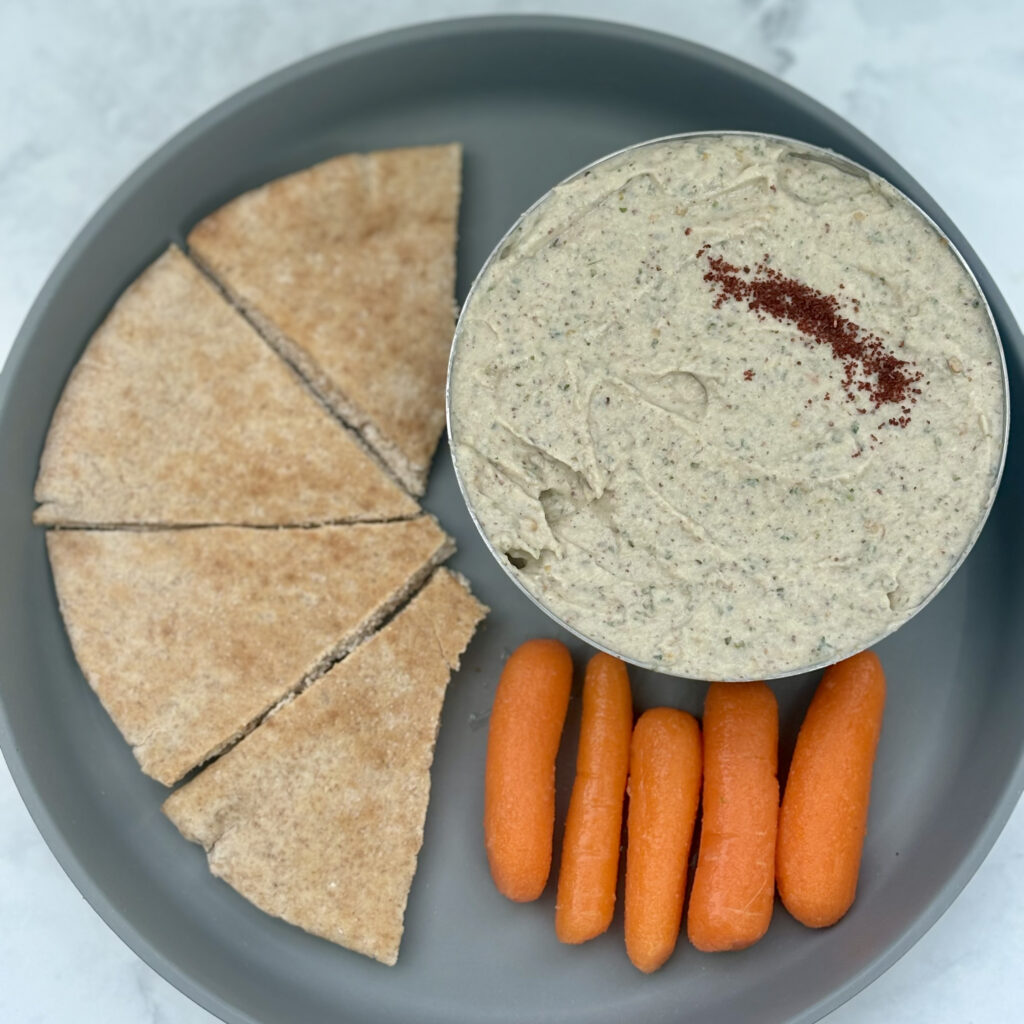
x,y
734,884
519,787
823,819
593,827
664,790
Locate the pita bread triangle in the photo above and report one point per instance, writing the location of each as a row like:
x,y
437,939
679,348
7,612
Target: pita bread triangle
x,y
317,816
348,269
178,413
189,636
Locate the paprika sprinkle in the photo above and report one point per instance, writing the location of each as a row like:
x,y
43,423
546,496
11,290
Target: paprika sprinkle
x,y
869,367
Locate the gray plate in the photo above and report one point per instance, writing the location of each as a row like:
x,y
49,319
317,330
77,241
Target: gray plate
x,y
532,99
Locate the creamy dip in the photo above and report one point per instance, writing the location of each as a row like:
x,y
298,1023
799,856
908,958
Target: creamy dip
x,y
727,407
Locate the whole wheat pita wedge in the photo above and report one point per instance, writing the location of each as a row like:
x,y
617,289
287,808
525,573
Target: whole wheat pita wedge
x,y
178,413
189,636
317,816
348,269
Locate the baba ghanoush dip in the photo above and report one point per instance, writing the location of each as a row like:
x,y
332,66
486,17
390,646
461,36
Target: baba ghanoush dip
x,y
727,406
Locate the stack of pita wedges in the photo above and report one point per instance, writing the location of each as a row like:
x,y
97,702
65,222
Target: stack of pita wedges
x,y
248,584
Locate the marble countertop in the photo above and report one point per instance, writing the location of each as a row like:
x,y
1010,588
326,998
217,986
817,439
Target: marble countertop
x,y
89,89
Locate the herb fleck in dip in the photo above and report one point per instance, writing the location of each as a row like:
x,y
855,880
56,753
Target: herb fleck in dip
x,y
726,407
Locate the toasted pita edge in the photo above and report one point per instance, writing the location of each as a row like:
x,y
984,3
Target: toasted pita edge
x,y
397,601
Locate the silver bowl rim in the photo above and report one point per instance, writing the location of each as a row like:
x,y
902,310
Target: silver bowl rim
x,y
825,155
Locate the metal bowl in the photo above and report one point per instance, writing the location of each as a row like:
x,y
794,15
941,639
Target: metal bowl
x,y
767,671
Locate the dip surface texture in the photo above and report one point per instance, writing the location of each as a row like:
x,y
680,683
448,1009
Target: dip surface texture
x,y
726,408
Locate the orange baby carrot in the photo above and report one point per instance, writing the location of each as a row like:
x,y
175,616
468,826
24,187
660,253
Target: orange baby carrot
x,y
734,884
593,828
519,787
664,790
823,818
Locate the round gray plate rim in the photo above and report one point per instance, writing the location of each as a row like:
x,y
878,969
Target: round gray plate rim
x,y
27,582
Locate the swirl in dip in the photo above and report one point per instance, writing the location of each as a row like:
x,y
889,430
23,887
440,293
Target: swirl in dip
x,y
727,406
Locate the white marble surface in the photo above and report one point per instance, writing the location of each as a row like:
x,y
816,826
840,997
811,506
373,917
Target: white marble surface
x,y
88,88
